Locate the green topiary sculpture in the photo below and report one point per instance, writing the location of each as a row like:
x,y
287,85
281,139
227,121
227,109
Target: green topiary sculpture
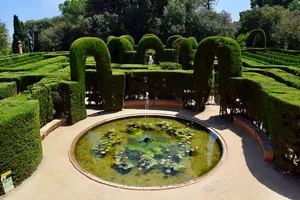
x,y
230,65
257,39
149,42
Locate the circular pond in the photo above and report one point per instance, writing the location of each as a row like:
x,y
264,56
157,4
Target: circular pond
x,y
147,152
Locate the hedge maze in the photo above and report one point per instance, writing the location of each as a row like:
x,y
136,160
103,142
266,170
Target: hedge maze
x,y
260,84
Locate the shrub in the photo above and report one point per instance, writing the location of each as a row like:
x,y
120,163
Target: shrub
x,y
21,148
230,65
149,42
170,66
257,38
170,40
8,89
194,42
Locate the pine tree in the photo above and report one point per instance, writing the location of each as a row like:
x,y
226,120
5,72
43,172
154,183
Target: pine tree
x,y
19,35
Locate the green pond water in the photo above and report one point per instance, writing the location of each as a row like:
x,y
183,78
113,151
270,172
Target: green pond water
x,y
156,152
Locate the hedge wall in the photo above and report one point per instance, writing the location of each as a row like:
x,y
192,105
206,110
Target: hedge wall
x,y
8,89
20,141
186,53
169,55
277,107
230,65
149,42
170,40
257,38
161,84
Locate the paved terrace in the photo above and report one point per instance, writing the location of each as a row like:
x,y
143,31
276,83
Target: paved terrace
x,y
244,175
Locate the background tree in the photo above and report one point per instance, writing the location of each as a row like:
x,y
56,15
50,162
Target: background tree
x,y
34,28
294,6
265,18
19,35
209,4
286,32
261,3
4,39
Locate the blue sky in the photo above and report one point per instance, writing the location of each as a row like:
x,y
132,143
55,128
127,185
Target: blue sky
x,y
38,9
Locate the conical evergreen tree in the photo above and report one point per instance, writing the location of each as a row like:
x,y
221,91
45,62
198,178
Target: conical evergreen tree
x,y
19,35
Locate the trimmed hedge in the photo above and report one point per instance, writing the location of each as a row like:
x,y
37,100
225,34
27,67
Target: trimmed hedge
x,y
277,107
257,38
117,82
109,39
170,66
117,48
129,38
230,65
194,42
186,53
36,65
169,55
150,42
18,60
20,141
170,40
79,50
8,89
149,34
161,84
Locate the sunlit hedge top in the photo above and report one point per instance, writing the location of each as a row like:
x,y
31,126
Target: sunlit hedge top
x,y
194,42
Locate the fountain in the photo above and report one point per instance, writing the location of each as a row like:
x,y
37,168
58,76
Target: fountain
x,y
161,151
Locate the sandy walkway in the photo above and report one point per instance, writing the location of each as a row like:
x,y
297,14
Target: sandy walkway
x,y
244,174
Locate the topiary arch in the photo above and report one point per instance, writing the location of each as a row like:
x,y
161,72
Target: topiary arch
x,y
230,65
117,47
170,40
149,42
79,51
257,38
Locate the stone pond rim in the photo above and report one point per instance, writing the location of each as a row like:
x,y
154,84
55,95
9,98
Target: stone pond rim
x,y
222,144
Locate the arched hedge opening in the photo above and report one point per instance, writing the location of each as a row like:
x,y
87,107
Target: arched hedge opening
x,y
79,51
149,42
257,38
170,40
230,65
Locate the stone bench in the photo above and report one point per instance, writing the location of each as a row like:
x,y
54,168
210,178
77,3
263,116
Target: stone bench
x,y
257,134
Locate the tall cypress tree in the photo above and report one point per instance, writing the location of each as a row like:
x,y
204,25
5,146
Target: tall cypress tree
x,y
19,35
